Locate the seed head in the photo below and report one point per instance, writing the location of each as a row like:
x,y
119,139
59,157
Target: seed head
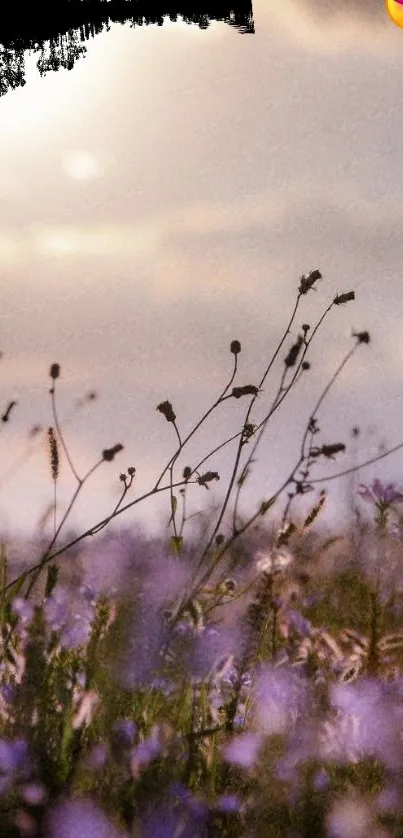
x,y
108,454
167,410
308,281
292,356
247,390
235,347
54,453
344,298
330,450
54,371
362,337
207,477
248,430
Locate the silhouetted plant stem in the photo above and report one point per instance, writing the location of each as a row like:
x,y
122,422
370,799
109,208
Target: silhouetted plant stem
x,y
240,444
279,398
197,426
298,350
60,434
91,531
374,633
300,484
353,469
326,390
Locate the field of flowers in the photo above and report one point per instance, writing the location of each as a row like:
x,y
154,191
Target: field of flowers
x,y
240,684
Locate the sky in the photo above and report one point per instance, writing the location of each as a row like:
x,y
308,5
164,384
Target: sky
x,y
162,199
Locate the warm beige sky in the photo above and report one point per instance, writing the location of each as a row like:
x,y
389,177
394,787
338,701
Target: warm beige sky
x,y
161,199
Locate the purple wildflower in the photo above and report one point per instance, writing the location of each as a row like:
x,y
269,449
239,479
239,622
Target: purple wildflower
x,y
97,757
88,593
75,629
24,609
381,494
244,750
145,752
7,692
125,730
350,818
321,780
164,822
212,648
57,609
368,723
229,803
76,634
122,739
281,695
34,794
196,806
396,530
14,762
299,624
80,819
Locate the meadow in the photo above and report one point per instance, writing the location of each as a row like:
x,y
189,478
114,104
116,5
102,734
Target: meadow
x,y
240,678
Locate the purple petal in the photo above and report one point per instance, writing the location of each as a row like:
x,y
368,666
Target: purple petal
x,y
244,750
80,819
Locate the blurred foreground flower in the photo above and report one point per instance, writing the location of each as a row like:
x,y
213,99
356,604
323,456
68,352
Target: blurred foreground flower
x,y
367,724
80,819
281,697
244,750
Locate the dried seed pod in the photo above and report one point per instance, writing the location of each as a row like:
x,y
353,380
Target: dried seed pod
x,y
167,410
235,347
344,298
362,337
207,477
108,454
54,453
54,371
308,280
292,356
247,390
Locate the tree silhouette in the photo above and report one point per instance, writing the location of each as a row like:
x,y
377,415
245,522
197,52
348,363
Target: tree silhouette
x,y
59,30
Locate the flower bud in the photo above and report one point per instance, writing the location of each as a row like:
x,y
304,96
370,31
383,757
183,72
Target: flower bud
x,y
331,450
235,347
308,281
167,410
292,356
344,298
54,371
109,453
362,337
247,390
207,477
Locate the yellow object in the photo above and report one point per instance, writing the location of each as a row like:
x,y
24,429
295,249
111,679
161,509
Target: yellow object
x,y
395,11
